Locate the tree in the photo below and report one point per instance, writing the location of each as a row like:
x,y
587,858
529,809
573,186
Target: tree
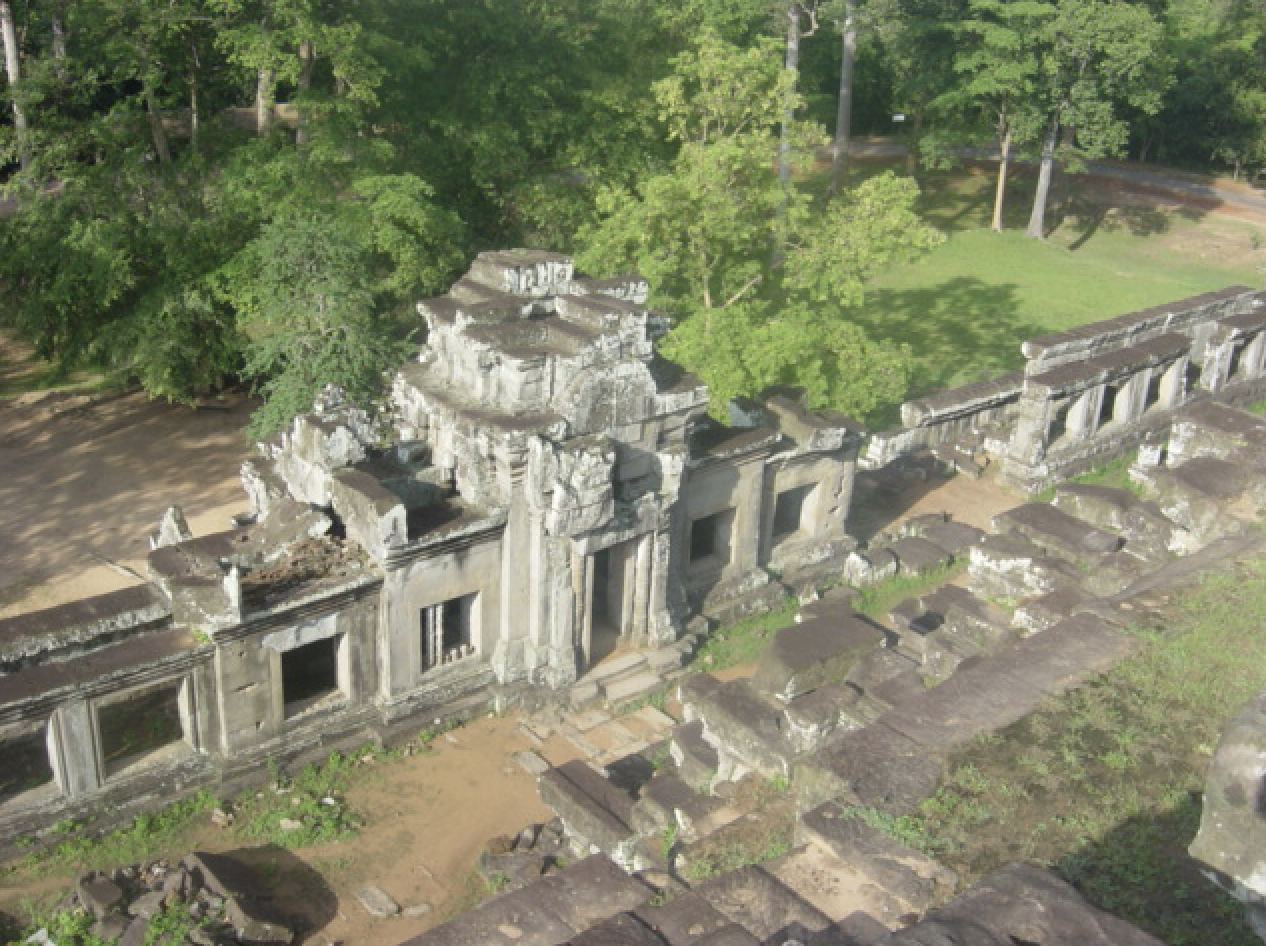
x,y
305,302
13,70
999,65
701,232
1094,54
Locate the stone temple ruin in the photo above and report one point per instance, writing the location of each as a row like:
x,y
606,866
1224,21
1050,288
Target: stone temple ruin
x,y
545,491
548,490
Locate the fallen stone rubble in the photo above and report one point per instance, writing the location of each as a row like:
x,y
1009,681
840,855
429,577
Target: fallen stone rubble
x,y
218,898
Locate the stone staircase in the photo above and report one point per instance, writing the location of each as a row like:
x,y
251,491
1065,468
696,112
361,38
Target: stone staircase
x,y
631,676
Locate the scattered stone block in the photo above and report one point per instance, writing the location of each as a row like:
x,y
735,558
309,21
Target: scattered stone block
x,y
1200,496
99,894
147,904
804,656
668,801
1102,506
591,890
377,902
595,812
1058,532
695,759
1232,824
685,919
900,871
916,556
952,538
874,766
812,719
754,899
137,933
257,922
627,689
619,930
746,730
531,763
1011,567
109,928
1021,903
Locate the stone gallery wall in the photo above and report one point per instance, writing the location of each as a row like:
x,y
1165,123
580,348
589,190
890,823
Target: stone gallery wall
x,y
1093,393
542,490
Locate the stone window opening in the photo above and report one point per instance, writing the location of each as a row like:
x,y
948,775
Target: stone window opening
x,y
1237,357
1191,376
1108,405
1059,423
789,511
1152,397
448,631
309,675
140,727
710,539
27,772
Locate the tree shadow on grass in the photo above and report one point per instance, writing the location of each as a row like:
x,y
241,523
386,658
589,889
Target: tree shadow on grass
x,y
1141,871
962,330
1088,210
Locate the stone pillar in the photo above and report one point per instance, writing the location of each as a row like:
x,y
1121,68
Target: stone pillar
x,y
1130,398
640,619
1217,364
73,741
1171,386
749,517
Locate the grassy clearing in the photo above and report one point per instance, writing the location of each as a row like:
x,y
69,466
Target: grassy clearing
x,y
965,307
1104,784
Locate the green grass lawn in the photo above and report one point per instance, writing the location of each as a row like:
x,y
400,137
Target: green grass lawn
x,y
965,307
1103,784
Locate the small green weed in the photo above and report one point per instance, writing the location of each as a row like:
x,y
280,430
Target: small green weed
x,y
877,600
312,801
719,856
143,839
743,643
668,841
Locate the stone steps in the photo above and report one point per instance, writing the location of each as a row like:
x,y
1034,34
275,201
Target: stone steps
x,y
627,689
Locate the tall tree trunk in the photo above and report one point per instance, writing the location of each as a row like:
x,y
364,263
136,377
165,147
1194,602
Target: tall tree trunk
x,y
59,39
265,98
306,60
1037,219
13,70
1004,165
844,105
195,117
157,132
793,67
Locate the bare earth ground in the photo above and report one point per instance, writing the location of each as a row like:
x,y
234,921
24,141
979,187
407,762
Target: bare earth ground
x,y
82,484
82,487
